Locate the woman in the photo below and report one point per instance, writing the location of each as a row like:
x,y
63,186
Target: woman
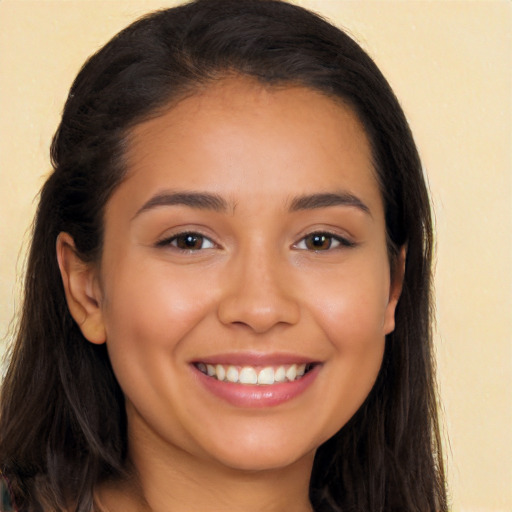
x,y
227,303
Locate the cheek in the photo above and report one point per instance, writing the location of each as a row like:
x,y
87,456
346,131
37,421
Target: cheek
x,y
352,315
351,305
148,316
153,309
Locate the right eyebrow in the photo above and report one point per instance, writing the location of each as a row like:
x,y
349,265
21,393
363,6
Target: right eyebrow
x,y
199,200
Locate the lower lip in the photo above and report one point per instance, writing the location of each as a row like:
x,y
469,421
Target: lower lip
x,y
247,395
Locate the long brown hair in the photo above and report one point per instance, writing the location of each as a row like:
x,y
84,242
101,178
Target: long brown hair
x,y
62,423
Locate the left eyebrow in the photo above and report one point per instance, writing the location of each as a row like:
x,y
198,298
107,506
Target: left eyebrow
x,y
325,200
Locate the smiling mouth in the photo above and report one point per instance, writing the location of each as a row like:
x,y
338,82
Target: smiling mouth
x,y
255,375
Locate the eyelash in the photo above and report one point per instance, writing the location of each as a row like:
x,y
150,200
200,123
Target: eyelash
x,y
174,241
315,237
323,236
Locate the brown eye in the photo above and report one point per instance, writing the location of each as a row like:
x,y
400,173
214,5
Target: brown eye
x,y
187,242
318,242
321,241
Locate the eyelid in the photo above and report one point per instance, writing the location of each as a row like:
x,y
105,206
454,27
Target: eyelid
x,y
342,241
338,241
167,241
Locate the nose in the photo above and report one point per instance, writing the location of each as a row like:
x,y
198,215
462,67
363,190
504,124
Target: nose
x,y
258,293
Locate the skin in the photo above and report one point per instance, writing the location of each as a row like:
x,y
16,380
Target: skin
x,y
255,285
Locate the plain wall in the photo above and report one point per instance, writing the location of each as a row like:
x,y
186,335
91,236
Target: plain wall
x,y
450,64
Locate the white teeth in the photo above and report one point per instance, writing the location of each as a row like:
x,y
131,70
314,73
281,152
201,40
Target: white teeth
x,y
221,373
232,374
266,376
280,374
291,373
248,375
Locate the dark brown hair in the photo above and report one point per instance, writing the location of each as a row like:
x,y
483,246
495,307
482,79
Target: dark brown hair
x,y
62,423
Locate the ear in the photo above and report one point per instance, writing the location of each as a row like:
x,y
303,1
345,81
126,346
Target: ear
x,y
83,293
395,289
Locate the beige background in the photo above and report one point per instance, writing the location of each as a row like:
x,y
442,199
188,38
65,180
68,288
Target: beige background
x,y
450,64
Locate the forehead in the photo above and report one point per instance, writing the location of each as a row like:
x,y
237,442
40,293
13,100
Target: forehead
x,y
239,136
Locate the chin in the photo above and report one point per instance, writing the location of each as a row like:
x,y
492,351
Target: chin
x,y
262,455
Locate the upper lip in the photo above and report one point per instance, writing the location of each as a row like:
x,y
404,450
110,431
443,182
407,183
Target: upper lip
x,y
255,359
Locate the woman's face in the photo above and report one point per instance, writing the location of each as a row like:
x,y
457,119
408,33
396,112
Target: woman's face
x,y
247,242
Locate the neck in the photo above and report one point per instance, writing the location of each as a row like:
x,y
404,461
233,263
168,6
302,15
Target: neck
x,y
168,479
